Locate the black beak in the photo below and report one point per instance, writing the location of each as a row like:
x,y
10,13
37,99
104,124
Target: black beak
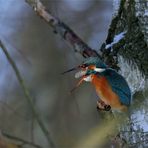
x,y
67,71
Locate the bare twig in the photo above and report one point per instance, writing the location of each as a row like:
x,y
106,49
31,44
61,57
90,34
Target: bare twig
x,y
32,126
24,142
62,29
12,110
27,94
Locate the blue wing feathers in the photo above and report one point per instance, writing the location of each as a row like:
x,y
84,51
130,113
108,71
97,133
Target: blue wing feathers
x,y
119,86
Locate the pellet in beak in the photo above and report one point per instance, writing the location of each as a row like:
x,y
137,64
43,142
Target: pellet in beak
x,y
79,74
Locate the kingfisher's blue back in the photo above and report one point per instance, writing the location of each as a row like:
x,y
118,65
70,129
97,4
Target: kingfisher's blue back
x,y
118,85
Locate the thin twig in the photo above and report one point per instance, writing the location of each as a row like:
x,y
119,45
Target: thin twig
x,y
62,29
27,95
13,110
32,126
24,142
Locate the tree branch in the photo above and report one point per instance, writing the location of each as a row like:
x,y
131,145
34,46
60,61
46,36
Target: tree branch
x,y
62,29
133,46
24,142
29,98
113,25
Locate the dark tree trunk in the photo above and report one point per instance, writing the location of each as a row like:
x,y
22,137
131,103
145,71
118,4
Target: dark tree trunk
x,y
133,18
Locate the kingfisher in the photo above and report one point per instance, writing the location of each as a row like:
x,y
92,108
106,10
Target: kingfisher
x,y
111,87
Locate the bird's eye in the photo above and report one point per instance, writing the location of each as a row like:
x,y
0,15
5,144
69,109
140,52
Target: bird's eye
x,y
83,66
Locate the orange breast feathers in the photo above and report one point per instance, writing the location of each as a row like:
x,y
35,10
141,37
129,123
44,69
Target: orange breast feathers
x,y
106,93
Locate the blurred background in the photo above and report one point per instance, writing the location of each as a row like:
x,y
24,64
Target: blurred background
x,y
41,56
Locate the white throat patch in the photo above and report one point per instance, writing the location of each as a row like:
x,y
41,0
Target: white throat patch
x,y
80,74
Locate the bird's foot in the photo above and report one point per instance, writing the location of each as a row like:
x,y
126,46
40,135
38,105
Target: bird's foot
x,y
102,106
